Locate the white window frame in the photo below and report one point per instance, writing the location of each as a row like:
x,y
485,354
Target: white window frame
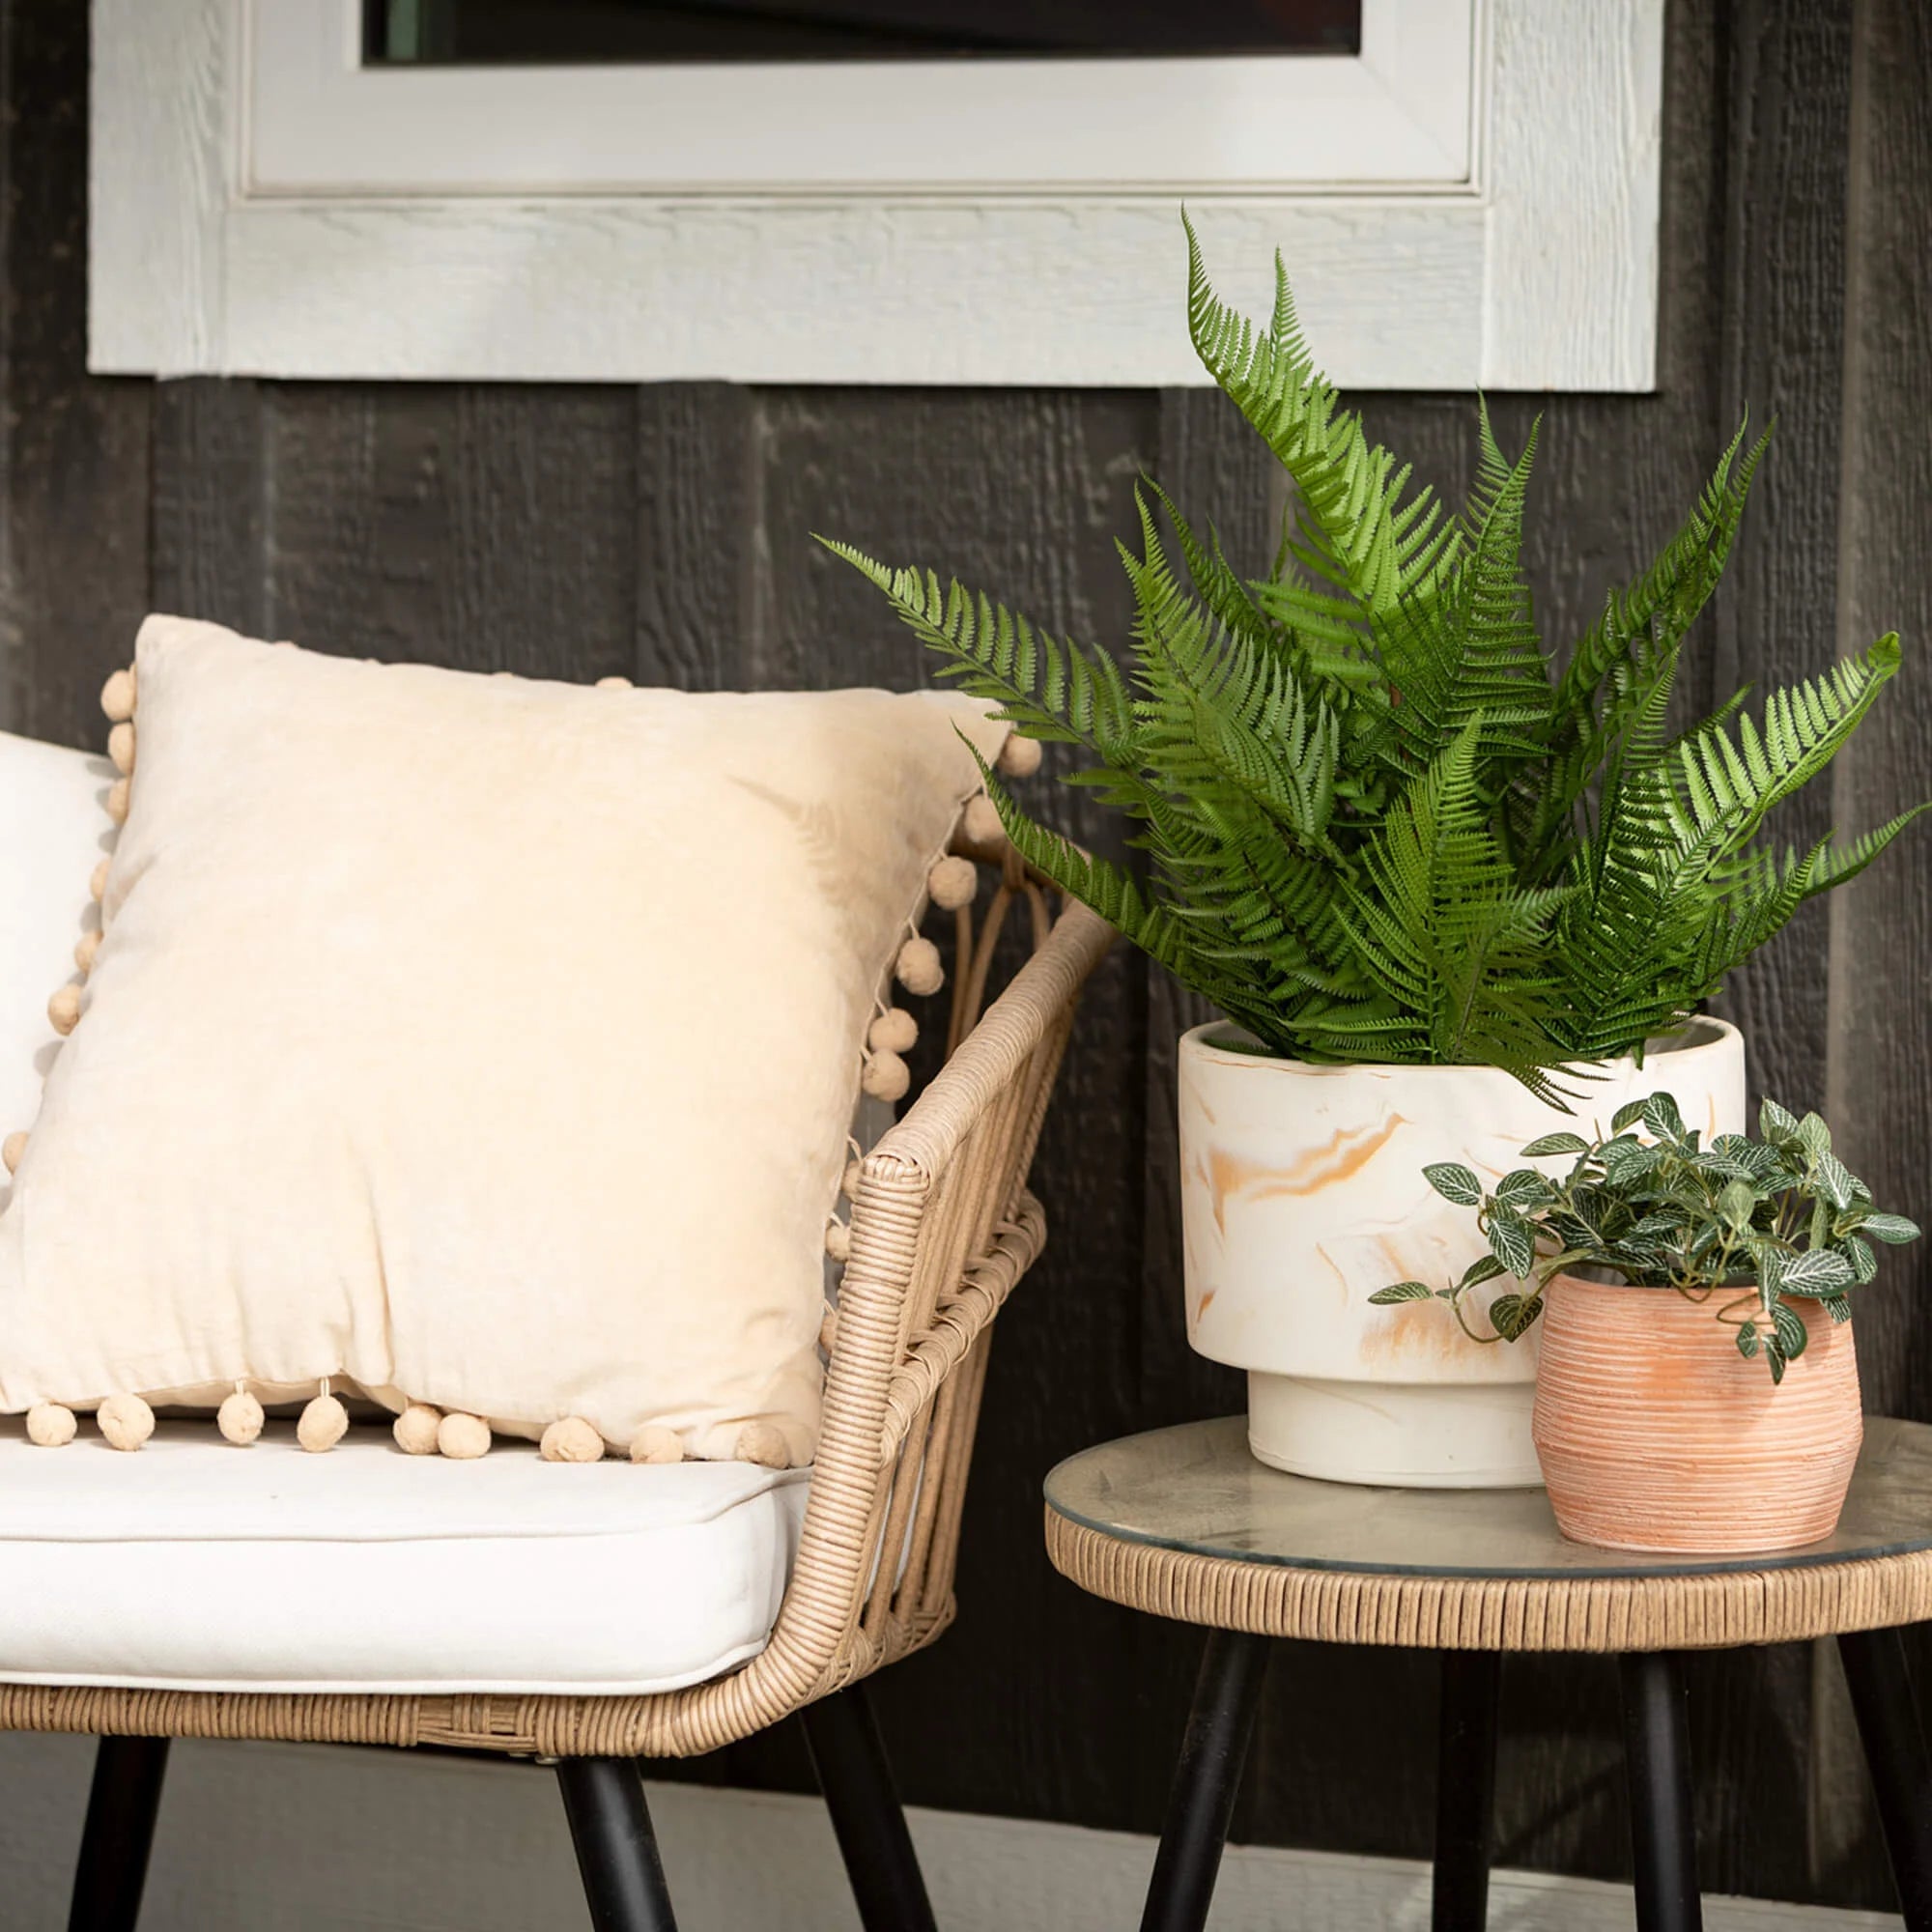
x,y
1472,201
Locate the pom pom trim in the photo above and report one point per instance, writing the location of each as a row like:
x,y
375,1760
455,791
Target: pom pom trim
x,y
239,1418
895,1031
1019,757
51,1425
981,825
125,1421
954,882
919,968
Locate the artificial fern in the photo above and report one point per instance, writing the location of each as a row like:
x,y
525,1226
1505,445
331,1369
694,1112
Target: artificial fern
x,y
1380,821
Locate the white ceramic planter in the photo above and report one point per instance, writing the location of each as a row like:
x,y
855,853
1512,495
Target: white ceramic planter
x,y
1302,1193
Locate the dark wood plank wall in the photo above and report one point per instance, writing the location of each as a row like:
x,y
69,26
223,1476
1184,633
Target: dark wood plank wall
x,y
665,532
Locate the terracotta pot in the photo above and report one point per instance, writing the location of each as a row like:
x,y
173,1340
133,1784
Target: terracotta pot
x,y
1302,1193
1656,1433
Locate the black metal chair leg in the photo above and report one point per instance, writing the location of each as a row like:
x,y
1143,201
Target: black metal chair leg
x,y
856,1776
1901,1773
1657,1762
114,1846
1466,1787
1202,1802
616,1849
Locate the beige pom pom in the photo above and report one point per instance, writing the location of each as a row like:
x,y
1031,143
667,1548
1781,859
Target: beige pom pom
x,y
838,1240
322,1425
98,883
117,697
953,882
828,1328
895,1031
415,1430
64,1010
50,1426
982,822
763,1442
1019,757
463,1438
848,1184
613,684
84,949
12,1150
118,796
239,1418
571,1439
918,967
125,1420
887,1077
655,1444
120,747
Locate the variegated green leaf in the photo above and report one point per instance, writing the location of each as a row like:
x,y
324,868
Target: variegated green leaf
x,y
1454,1182
1401,1290
1524,1188
1895,1230
1512,1242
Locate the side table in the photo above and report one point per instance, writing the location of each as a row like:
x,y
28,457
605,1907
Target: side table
x,y
1184,1523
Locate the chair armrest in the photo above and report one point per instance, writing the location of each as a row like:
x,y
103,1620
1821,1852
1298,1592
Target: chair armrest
x,y
991,1057
942,1228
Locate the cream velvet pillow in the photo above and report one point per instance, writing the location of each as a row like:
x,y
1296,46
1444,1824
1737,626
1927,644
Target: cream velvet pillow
x,y
487,1044
52,835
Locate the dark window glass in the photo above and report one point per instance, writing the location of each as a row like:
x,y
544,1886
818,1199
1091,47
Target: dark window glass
x,y
528,32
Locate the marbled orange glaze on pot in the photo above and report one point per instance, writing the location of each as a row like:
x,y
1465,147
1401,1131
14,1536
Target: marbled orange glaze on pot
x,y
1302,1194
1655,1433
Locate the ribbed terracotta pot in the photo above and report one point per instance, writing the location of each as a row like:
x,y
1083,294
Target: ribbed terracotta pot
x,y
1655,1433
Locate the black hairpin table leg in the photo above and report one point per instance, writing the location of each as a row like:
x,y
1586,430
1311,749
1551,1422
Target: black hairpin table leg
x,y
1465,1783
1202,1800
1656,1761
1901,1775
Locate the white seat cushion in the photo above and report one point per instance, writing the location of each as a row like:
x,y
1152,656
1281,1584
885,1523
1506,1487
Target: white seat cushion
x,y
195,1564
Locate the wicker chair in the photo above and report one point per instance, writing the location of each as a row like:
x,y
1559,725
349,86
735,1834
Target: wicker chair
x,y
941,1229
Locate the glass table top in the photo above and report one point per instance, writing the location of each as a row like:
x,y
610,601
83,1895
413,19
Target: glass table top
x,y
1197,1489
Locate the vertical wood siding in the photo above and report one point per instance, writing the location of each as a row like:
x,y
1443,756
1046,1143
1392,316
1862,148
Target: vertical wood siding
x,y
665,532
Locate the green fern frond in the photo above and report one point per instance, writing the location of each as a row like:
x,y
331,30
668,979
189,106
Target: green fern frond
x,y
1119,899
1220,712
1050,687
1652,616
1472,651
1358,538
1368,817
1725,786
1609,686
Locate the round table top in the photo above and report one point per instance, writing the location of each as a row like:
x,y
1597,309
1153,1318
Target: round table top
x,y
1187,1522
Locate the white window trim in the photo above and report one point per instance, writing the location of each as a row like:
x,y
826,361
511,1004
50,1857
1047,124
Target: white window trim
x,y
1472,201
1398,116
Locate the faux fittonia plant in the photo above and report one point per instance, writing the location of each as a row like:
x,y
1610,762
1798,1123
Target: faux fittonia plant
x,y
1382,821
1746,1225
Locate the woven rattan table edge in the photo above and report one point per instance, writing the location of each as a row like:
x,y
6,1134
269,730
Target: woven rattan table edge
x,y
1713,1612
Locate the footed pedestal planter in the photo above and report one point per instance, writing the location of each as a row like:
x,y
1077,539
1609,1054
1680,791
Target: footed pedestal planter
x,y
1302,1194
1655,1432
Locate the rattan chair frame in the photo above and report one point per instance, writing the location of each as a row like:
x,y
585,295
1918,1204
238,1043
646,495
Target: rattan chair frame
x,y
942,1228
